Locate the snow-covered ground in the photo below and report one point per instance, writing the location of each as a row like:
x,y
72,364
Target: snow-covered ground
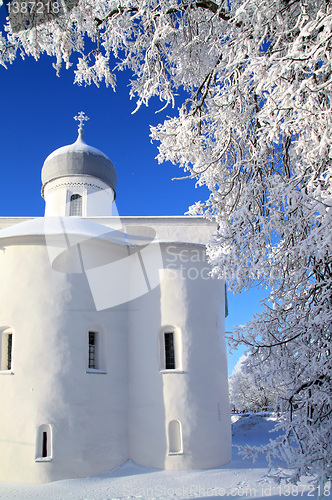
x,y
239,479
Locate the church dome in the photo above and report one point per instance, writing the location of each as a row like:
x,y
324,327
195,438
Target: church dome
x,y
79,159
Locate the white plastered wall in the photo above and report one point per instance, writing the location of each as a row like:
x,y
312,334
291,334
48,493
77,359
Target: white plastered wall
x,y
195,394
50,313
91,427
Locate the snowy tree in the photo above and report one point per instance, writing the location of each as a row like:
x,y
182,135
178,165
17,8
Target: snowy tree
x,y
254,126
248,391
245,395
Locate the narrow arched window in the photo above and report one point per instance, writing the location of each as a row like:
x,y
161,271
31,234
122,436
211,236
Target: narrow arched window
x,y
75,205
6,348
174,437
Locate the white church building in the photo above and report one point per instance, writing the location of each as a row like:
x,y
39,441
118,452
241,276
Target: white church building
x,y
111,333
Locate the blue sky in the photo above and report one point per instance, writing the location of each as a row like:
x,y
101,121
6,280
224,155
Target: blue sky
x,y
37,117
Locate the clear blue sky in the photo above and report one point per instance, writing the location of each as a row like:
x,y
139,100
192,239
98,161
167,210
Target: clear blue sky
x,y
37,117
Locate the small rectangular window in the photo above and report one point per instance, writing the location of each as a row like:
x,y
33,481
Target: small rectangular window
x,y
95,343
169,351
75,205
9,350
92,350
44,445
6,350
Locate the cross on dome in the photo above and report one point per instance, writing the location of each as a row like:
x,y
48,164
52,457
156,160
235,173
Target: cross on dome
x,y
81,117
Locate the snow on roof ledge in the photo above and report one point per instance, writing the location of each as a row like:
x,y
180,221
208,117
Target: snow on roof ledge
x,y
124,230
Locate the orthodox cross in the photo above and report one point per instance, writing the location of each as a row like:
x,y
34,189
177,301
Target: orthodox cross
x,y
81,117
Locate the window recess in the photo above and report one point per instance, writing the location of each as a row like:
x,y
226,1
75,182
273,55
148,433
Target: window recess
x,y
174,438
44,444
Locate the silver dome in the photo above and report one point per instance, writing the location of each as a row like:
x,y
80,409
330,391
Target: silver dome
x,y
79,159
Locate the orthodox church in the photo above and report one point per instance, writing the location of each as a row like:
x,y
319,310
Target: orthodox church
x,y
111,333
